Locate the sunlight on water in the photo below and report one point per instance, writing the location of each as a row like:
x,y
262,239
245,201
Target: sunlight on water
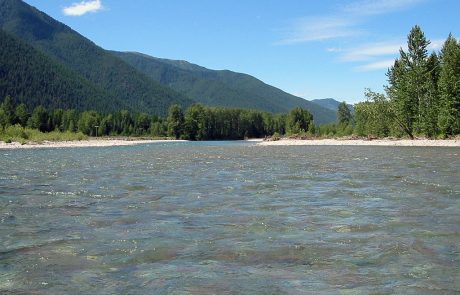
x,y
226,218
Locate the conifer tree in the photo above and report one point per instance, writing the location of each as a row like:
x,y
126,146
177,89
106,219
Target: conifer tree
x,y
175,121
409,83
449,88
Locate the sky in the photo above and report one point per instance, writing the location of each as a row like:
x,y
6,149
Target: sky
x,y
309,48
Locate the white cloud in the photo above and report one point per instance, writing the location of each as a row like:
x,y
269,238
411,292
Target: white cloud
x,y
344,22
436,44
334,49
375,7
374,66
370,51
317,29
84,7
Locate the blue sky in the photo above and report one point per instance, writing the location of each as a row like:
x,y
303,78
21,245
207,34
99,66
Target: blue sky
x,y
313,49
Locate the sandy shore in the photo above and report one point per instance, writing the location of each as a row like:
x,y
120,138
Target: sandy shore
x,y
360,142
82,143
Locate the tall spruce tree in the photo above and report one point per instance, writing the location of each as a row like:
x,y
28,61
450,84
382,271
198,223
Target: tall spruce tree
x,y
175,121
344,115
408,82
449,88
430,106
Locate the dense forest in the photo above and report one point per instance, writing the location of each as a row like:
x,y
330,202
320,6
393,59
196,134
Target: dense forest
x,y
197,122
222,88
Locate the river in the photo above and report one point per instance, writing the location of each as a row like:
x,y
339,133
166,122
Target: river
x,y
230,218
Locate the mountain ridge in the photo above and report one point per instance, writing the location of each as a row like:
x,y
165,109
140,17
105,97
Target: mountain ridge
x,y
139,82
118,79
222,88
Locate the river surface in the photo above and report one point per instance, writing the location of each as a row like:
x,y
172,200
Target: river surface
x,y
230,218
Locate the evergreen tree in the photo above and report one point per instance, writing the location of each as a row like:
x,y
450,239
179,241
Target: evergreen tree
x,y
175,121
344,115
298,121
8,109
449,87
195,123
88,122
22,115
39,119
409,82
430,106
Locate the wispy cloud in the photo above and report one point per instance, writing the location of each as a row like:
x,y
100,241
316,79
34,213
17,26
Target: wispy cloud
x,y
375,7
377,65
317,29
379,55
84,7
436,44
343,22
370,51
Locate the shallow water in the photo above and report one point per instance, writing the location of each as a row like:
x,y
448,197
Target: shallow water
x,y
230,218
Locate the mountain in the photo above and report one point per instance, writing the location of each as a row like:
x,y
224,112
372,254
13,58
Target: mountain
x,y
222,88
83,75
35,79
330,104
118,80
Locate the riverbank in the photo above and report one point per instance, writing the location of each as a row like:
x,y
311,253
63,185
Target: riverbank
x,y
362,142
105,142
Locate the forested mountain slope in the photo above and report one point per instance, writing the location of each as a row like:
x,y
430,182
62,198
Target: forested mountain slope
x,y
119,80
222,88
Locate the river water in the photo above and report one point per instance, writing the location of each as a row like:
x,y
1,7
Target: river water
x,y
230,218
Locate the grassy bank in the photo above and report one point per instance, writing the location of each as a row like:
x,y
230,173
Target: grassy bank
x,y
23,135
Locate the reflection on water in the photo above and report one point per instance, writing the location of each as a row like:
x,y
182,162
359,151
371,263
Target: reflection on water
x,y
226,218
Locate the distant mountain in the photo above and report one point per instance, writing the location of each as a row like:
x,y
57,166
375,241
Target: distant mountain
x,y
330,104
79,74
33,78
105,71
222,88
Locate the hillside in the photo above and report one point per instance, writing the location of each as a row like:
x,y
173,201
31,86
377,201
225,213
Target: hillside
x,y
222,88
112,80
33,78
113,76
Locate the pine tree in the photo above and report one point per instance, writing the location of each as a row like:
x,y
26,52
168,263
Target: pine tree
x,y
430,107
175,121
9,108
344,115
22,115
409,83
449,88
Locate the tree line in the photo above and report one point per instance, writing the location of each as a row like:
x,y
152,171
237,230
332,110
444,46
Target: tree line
x,y
422,97
197,122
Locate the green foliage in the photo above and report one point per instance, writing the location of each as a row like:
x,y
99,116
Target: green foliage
x,y
344,115
449,88
198,123
68,70
17,133
276,136
22,115
298,121
373,117
423,95
8,110
175,121
222,88
88,122
36,79
39,119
